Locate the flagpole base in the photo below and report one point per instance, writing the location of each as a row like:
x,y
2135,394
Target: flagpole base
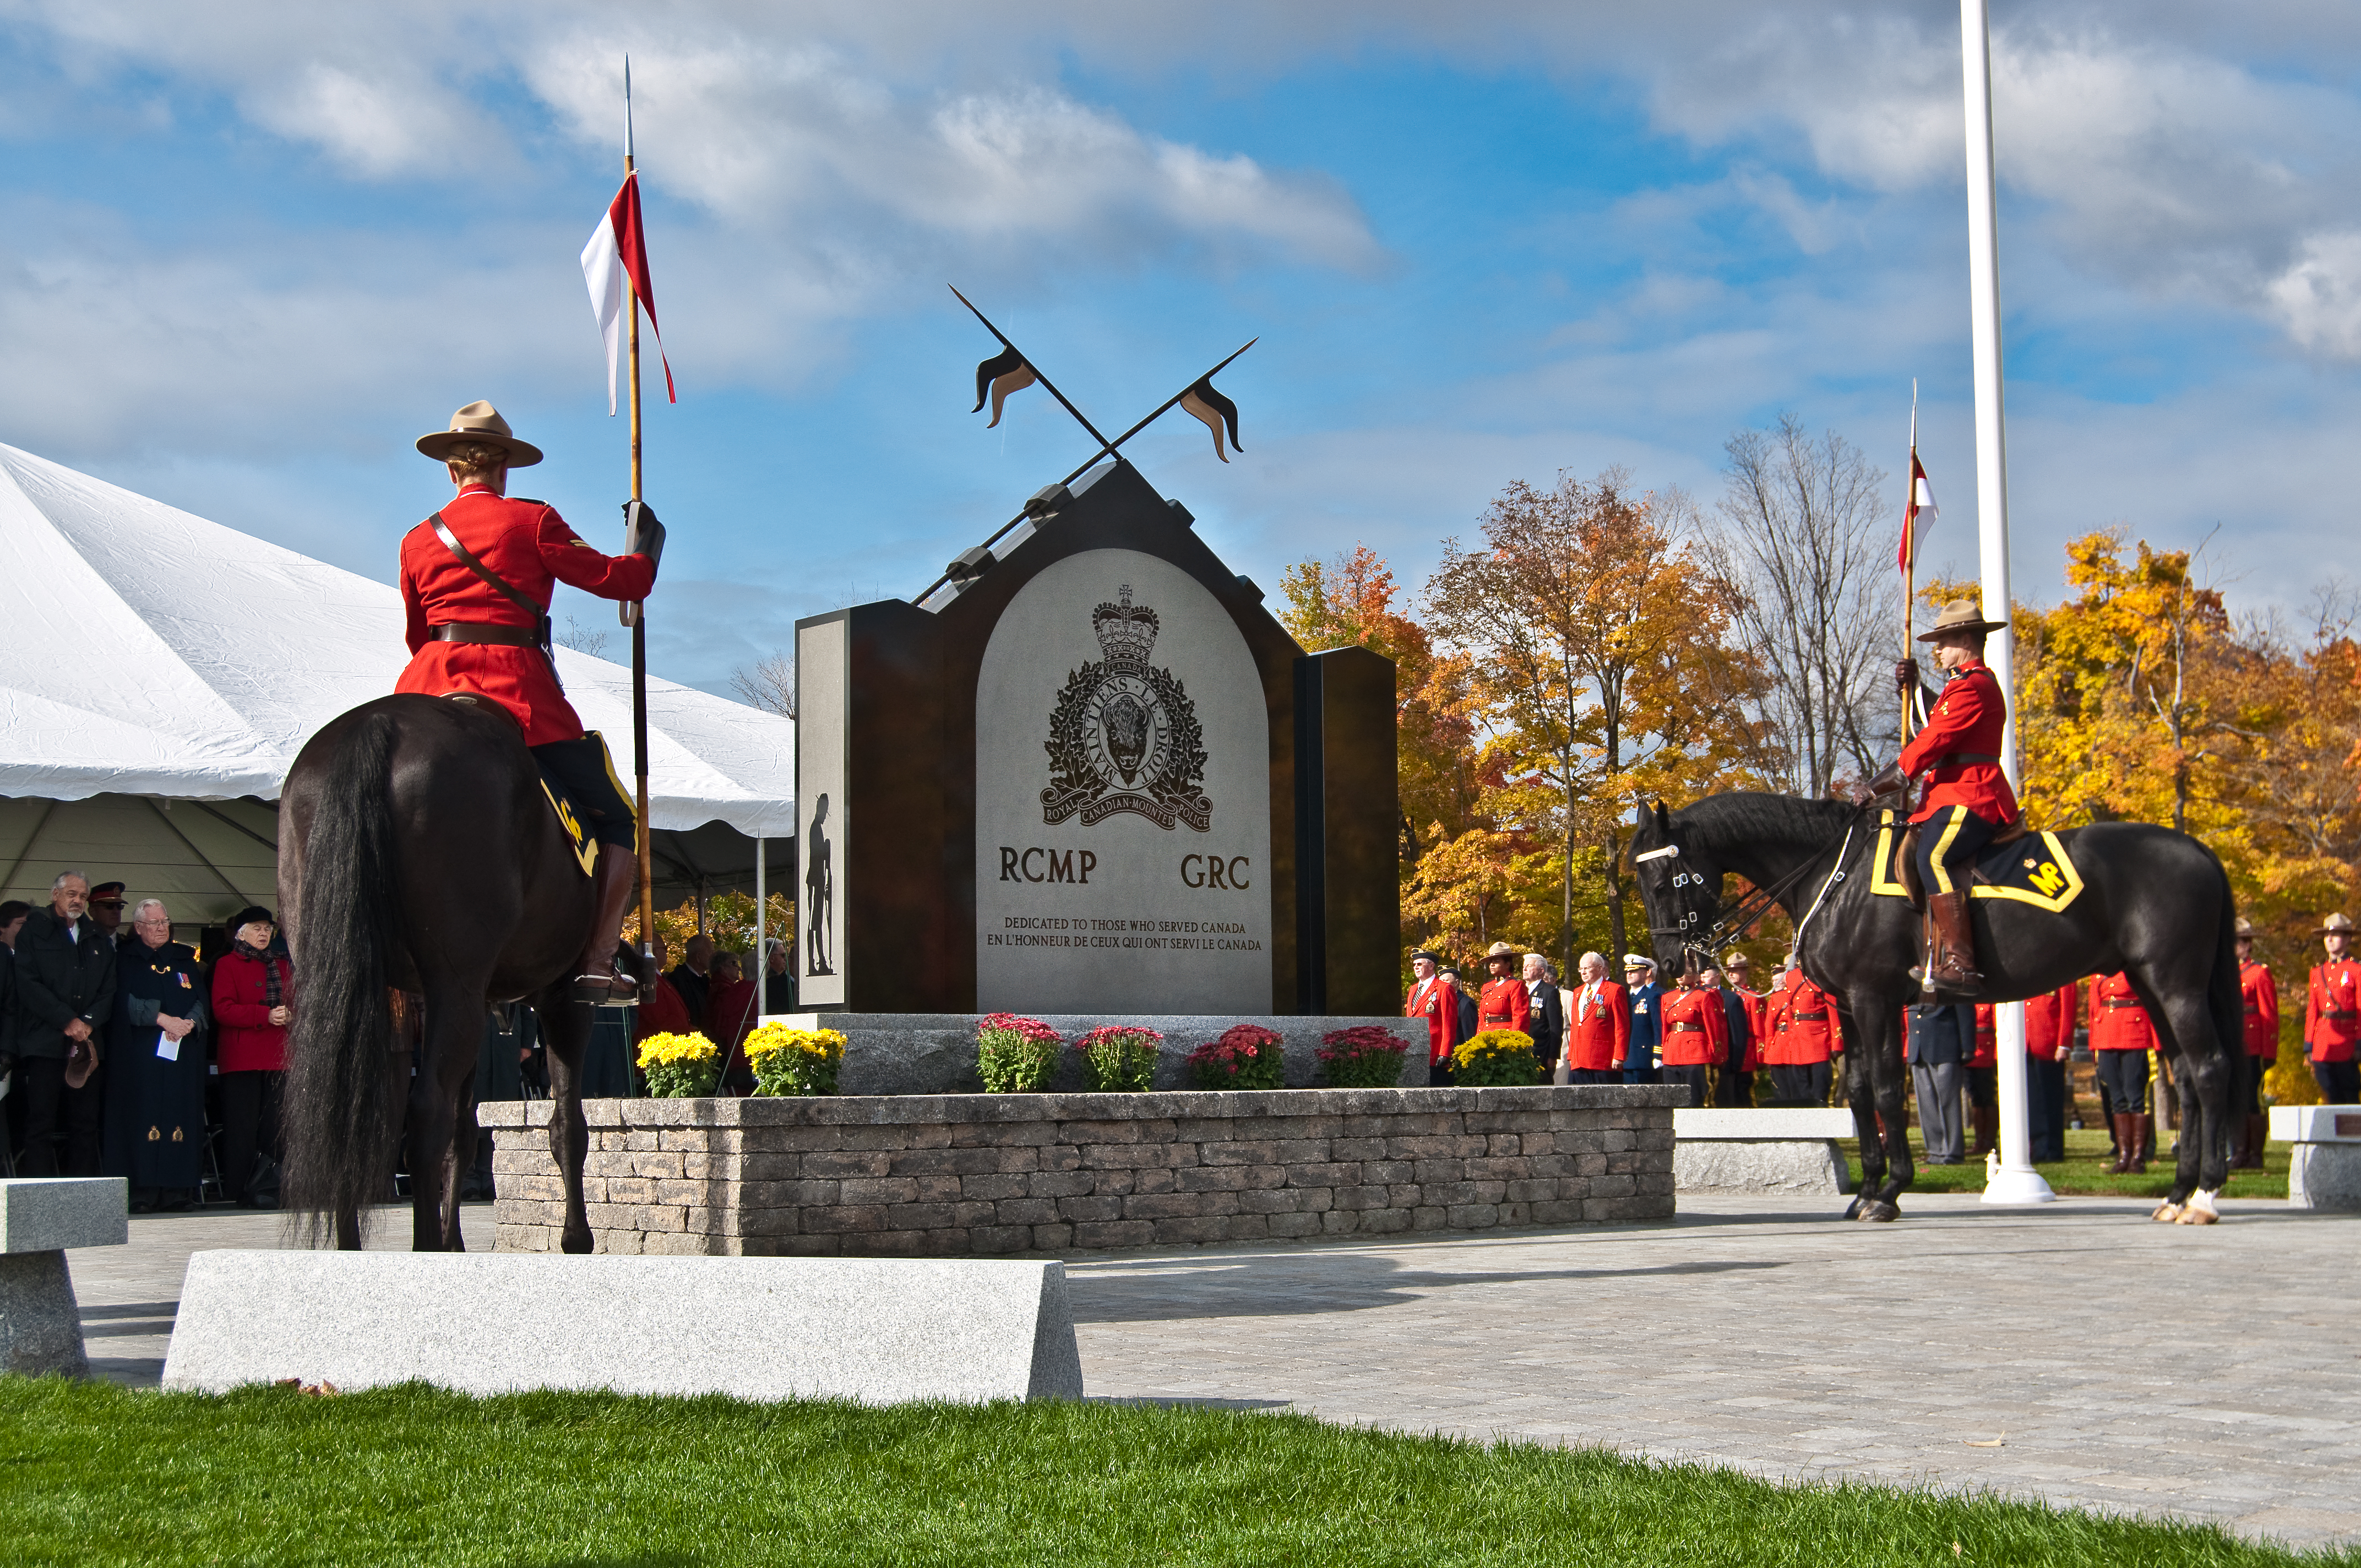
x,y
2017,1186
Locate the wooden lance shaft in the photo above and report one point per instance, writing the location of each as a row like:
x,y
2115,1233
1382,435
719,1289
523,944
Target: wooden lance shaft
x,y
639,644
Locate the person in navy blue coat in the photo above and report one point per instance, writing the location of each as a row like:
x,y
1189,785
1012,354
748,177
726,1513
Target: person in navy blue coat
x,y
1647,1031
1942,1038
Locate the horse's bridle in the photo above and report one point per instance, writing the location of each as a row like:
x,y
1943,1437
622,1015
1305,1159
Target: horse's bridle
x,y
1733,920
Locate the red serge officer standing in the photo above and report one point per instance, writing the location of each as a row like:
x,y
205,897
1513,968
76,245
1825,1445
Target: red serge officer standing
x,y
2049,1046
2332,1018
1697,1035
1436,1001
476,579
1506,1004
2258,996
1967,798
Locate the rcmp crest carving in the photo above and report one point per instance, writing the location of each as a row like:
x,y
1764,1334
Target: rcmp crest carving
x,y
1123,735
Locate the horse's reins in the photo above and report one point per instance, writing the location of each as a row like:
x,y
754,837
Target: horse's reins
x,y
1733,921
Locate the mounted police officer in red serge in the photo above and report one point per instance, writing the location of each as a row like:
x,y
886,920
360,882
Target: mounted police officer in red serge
x,y
1968,802
476,579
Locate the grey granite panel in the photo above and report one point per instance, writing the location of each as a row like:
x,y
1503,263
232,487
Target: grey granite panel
x,y
2326,1176
877,1331
45,1213
40,1327
1799,1165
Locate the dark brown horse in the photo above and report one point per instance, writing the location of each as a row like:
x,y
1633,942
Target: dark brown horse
x,y
421,872
2155,904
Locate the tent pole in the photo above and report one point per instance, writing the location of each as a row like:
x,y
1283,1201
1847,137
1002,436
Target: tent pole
x,y
761,956
165,818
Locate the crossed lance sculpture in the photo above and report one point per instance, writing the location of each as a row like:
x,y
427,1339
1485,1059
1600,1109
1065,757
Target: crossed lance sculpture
x,y
1011,371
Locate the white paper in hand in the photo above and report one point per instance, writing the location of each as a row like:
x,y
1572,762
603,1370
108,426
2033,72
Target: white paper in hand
x,y
167,1047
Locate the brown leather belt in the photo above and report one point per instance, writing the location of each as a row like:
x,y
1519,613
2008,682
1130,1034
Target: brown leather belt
x,y
1686,1029
502,636
1961,759
2116,1004
1809,1017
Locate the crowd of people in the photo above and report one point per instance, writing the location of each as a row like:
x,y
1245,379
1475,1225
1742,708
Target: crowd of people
x,y
1713,1032
124,1052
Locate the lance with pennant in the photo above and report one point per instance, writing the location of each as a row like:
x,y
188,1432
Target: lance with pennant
x,y
1107,448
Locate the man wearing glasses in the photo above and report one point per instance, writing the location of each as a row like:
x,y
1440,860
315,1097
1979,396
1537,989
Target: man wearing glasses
x,y
106,912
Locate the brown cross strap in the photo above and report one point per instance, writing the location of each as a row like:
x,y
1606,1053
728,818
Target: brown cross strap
x,y
540,624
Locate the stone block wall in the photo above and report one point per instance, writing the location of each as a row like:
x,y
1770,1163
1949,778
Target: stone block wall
x,y
965,1174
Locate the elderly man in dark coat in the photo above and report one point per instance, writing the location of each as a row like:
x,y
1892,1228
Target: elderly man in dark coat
x,y
65,993
156,1067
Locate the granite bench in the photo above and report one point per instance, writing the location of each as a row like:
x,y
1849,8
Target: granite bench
x,y
1745,1149
40,1217
879,1331
2326,1172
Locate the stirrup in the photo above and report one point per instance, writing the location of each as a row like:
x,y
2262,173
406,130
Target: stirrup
x,y
612,989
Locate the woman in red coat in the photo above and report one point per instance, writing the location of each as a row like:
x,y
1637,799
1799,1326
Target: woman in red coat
x,y
1983,1081
490,641
254,1000
2121,1038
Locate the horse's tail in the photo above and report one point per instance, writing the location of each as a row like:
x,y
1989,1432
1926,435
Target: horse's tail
x,y
338,1117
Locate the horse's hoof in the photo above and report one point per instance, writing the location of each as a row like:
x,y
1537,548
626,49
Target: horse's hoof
x,y
2166,1212
1852,1210
2193,1215
1878,1212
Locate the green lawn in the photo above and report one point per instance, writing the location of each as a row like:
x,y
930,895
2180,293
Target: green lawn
x,y
96,1475
2083,1171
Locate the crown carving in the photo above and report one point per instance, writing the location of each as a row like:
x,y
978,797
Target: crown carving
x,y
1126,632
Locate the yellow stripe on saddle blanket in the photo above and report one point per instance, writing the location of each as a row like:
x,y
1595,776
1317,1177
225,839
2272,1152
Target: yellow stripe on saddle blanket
x,y
2034,869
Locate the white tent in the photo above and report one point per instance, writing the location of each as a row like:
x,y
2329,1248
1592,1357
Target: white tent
x,y
152,657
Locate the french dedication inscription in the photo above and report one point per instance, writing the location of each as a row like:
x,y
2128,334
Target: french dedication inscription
x,y
1122,798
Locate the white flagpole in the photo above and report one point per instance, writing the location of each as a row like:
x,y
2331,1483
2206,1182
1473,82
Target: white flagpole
x,y
2014,1181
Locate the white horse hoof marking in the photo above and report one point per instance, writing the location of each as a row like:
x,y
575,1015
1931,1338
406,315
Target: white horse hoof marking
x,y
2201,1209
2166,1212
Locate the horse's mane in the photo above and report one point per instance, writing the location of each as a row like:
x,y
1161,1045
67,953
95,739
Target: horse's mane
x,y
1754,817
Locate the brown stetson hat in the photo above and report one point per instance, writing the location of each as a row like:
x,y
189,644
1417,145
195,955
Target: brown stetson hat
x,y
2245,928
482,422
1961,615
2334,923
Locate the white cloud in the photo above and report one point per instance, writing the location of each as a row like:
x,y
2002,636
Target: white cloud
x,y
2318,297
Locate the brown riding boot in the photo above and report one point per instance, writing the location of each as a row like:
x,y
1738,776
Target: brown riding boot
x,y
2120,1123
2250,1147
599,978
1955,946
2140,1122
1987,1121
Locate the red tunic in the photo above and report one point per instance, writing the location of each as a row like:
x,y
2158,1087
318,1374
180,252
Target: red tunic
x,y
2332,1018
2259,994
1598,1027
1970,717
2049,1022
2118,1022
531,547
1505,1005
1804,1028
1696,1032
1438,1003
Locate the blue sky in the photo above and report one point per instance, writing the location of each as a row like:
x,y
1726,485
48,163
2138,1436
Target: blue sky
x,y
248,252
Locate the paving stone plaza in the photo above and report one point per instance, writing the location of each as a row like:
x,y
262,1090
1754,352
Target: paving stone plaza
x,y
2213,1372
